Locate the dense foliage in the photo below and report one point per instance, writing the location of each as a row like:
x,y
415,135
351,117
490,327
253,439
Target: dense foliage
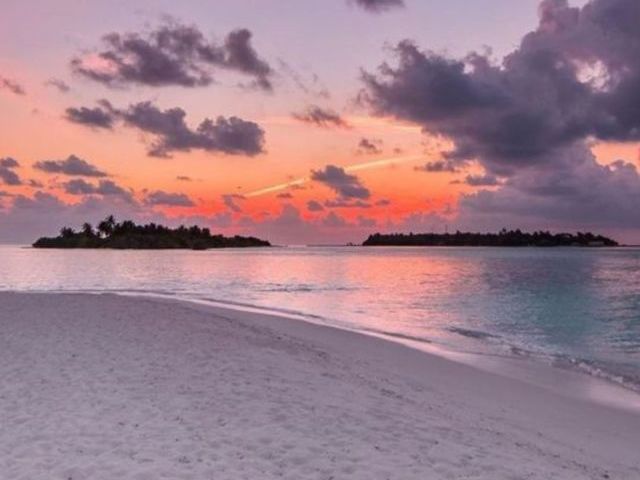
x,y
504,238
128,235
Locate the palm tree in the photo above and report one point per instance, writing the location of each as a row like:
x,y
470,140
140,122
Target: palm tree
x,y
105,227
66,232
87,229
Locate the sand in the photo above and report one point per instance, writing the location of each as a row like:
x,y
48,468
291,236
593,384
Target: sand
x,y
110,387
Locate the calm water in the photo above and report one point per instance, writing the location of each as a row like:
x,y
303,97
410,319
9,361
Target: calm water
x,y
577,307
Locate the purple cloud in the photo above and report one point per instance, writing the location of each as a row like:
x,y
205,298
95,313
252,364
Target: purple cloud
x,y
345,185
172,54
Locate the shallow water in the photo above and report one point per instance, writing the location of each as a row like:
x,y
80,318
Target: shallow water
x,y
578,308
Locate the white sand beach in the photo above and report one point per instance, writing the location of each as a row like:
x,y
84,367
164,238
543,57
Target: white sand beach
x,y
107,387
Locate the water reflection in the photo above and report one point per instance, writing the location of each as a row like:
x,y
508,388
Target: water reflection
x,y
573,303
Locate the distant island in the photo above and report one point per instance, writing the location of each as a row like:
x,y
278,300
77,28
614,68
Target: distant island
x,y
504,238
128,235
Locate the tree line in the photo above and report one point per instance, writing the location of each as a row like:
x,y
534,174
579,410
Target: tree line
x,y
128,235
504,238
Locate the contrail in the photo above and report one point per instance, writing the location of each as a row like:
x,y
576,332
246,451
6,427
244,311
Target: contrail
x,y
351,168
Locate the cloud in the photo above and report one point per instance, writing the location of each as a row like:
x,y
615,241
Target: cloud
x,y
437,167
72,166
231,201
314,206
104,188
9,162
172,54
241,56
542,97
232,136
7,173
531,117
58,84
321,117
377,6
160,198
345,185
11,85
333,220
578,192
102,116
486,180
367,222
339,203
285,196
184,178
370,147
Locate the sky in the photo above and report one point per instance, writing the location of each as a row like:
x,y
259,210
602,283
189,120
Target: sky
x,y
308,122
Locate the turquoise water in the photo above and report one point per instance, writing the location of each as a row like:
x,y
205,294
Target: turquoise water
x,y
578,308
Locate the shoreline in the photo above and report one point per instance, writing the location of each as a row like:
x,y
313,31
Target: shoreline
x,y
568,378
572,382
101,385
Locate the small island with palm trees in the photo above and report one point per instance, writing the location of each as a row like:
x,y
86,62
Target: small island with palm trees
x,y
504,238
128,235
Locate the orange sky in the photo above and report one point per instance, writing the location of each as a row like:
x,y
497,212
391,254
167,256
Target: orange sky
x,y
33,126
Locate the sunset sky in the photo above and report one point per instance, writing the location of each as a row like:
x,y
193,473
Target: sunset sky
x,y
305,121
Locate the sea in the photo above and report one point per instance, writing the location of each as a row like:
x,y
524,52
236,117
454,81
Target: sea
x,y
574,308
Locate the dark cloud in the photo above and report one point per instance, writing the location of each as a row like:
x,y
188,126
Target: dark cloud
x,y
72,166
314,206
232,136
105,188
7,173
11,85
345,185
377,6
241,56
58,84
437,167
383,202
284,196
577,193
102,116
577,75
370,146
160,198
184,178
486,180
321,117
172,54
530,118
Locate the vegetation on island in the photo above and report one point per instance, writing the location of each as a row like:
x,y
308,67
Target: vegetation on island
x,y
127,235
504,238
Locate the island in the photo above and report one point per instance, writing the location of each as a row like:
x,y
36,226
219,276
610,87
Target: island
x,y
127,235
504,238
